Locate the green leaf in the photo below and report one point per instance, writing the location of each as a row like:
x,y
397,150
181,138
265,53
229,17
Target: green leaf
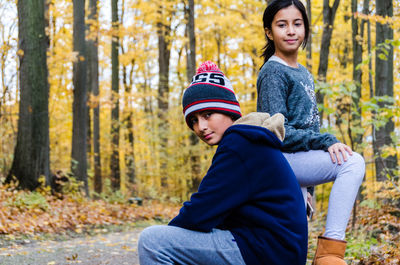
x,y
382,57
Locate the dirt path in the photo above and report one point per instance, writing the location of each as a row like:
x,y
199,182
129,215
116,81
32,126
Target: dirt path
x,y
114,248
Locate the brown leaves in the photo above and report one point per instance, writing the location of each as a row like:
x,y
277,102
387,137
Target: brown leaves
x,y
71,213
383,223
375,238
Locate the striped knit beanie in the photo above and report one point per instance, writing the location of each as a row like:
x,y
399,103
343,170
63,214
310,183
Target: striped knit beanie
x,y
210,90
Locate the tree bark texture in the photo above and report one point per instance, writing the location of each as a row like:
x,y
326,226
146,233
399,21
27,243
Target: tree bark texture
x,y
328,19
79,125
115,127
128,80
190,71
357,45
128,116
309,42
369,48
191,50
164,52
89,40
31,155
384,87
366,11
93,85
130,154
357,29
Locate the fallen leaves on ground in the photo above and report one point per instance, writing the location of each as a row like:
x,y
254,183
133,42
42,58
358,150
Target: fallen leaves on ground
x,y
375,238
73,213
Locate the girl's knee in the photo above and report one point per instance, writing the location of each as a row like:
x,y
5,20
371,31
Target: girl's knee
x,y
358,160
357,163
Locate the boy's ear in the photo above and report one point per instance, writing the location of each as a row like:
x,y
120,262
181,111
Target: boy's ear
x,y
268,33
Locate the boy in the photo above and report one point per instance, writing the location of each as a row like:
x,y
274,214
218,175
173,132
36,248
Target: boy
x,y
249,208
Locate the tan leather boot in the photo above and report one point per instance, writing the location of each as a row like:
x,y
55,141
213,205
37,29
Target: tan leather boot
x,y
329,251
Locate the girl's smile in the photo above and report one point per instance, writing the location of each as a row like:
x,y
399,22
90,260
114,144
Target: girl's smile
x,y
291,41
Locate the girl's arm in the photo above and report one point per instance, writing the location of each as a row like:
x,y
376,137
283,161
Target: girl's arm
x,y
273,89
304,140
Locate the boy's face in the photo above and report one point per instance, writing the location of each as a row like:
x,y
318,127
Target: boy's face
x,y
210,126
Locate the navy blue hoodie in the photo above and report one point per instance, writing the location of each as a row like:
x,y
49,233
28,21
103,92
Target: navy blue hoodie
x,y
251,191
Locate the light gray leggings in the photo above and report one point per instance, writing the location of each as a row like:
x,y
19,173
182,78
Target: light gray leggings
x,y
315,167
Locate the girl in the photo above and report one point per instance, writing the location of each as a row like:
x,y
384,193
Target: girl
x,y
286,87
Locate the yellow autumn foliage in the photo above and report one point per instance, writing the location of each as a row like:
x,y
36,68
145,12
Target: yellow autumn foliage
x,y
227,32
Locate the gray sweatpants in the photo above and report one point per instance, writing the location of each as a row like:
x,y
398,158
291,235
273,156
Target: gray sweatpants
x,y
315,167
162,244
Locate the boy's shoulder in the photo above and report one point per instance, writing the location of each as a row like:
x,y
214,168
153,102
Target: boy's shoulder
x,y
243,137
274,123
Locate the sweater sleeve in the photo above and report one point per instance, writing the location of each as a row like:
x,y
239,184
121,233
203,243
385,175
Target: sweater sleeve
x,y
304,140
222,190
272,87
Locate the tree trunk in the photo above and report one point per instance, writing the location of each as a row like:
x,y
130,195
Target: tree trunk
x,y
127,121
328,19
128,116
191,47
79,129
369,47
366,12
130,154
93,85
190,72
309,42
384,87
115,168
89,40
164,52
356,138
31,155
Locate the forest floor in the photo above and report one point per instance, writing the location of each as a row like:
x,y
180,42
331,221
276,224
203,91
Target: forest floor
x,y
111,248
38,228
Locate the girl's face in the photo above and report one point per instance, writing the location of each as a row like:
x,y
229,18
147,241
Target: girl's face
x,y
287,31
210,126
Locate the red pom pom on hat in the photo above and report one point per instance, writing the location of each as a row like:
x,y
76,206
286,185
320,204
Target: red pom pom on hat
x,y
210,90
207,66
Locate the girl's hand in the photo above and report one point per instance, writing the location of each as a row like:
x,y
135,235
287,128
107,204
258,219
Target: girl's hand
x,y
335,150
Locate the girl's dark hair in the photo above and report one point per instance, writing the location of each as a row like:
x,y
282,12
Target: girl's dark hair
x,y
269,14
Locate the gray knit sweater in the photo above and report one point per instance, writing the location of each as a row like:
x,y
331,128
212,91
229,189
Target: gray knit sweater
x,y
290,91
